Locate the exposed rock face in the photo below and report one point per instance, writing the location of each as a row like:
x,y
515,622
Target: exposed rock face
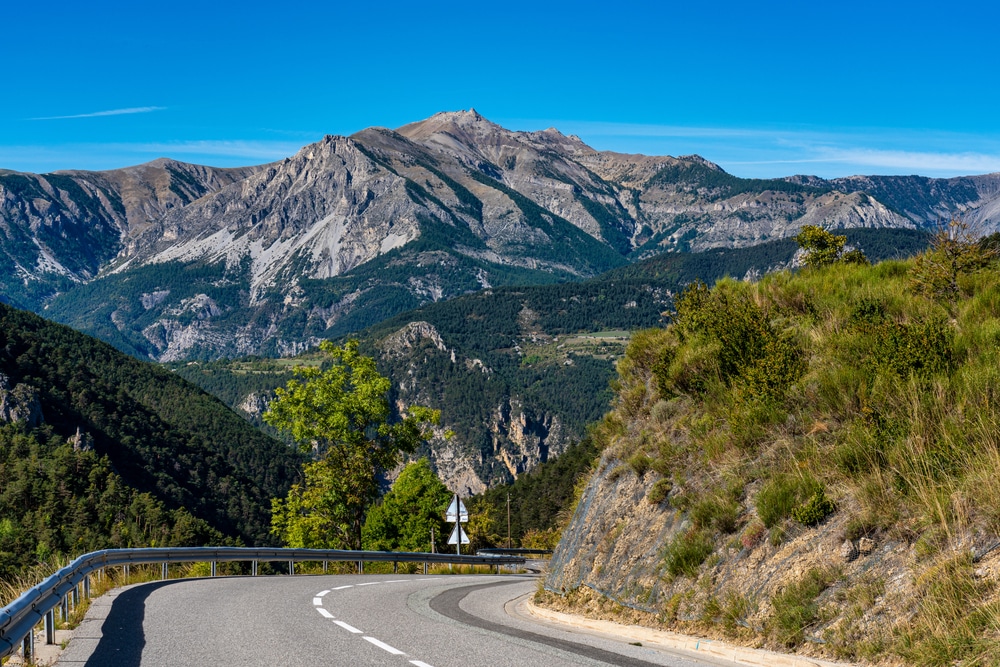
x,y
409,337
19,404
82,441
255,404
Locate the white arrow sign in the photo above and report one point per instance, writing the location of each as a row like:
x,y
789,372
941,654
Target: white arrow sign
x,y
456,511
455,533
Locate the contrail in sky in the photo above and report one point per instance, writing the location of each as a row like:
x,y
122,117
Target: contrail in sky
x,y
110,112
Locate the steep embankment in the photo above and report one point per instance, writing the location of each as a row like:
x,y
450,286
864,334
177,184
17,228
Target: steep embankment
x,y
99,449
808,462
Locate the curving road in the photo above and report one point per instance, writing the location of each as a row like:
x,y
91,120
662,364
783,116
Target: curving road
x,y
355,620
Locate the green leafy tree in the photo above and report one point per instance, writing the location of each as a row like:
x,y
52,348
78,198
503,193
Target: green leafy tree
x,y
414,506
823,248
955,251
342,415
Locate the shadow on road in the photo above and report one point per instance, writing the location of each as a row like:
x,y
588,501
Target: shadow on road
x,y
122,638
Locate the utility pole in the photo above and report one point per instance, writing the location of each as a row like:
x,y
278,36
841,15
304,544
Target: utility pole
x,y
508,520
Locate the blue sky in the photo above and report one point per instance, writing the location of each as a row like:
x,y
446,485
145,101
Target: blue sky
x,y
764,89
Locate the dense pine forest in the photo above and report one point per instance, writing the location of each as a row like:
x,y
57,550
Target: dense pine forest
x,y
153,459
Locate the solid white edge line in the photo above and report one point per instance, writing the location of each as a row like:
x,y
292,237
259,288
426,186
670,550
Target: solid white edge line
x,y
340,588
370,583
383,646
324,612
397,581
321,593
419,663
318,602
349,628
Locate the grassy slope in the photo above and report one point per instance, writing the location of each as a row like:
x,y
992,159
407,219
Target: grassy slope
x,y
831,390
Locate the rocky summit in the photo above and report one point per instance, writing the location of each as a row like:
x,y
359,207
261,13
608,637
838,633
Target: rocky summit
x,y
173,261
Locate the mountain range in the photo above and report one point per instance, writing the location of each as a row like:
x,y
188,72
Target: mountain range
x,y
172,261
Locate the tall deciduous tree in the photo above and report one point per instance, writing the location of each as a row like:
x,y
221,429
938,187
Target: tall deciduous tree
x,y
414,506
823,247
342,415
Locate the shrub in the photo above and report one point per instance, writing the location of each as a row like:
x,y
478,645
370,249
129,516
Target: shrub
x,y
795,607
776,500
686,552
639,463
715,513
814,510
659,492
753,534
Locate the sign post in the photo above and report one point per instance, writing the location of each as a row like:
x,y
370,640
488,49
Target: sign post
x,y
457,514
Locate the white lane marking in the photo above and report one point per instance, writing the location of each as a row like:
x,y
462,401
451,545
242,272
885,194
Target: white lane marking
x,y
419,663
397,581
321,593
340,588
383,646
324,612
349,628
370,583
318,602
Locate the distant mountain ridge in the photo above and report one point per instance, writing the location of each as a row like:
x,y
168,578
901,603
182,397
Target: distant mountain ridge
x,y
171,261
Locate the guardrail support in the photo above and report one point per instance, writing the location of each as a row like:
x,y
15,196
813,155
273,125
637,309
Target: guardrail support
x,y
425,567
361,567
76,597
28,648
395,567
325,563
291,567
125,572
253,568
86,587
213,568
163,571
50,627
64,609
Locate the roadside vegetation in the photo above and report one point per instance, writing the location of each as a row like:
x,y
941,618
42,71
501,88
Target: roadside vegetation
x,y
849,395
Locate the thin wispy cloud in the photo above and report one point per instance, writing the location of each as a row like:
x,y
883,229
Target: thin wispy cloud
x,y
99,114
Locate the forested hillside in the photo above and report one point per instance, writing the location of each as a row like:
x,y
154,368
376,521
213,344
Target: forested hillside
x,y
152,458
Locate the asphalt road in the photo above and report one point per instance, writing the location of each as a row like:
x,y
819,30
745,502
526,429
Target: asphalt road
x,y
352,620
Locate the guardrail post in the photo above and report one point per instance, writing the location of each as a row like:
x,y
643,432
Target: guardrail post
x,y
395,567
86,587
325,563
253,568
50,627
361,567
163,571
64,609
213,568
125,572
291,567
28,647
76,596
425,567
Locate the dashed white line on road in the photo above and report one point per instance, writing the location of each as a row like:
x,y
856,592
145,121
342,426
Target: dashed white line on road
x,y
324,612
340,588
318,602
397,581
349,628
370,583
419,663
321,593
383,646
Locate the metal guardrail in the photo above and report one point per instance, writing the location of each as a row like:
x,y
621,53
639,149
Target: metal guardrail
x,y
18,619
515,552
